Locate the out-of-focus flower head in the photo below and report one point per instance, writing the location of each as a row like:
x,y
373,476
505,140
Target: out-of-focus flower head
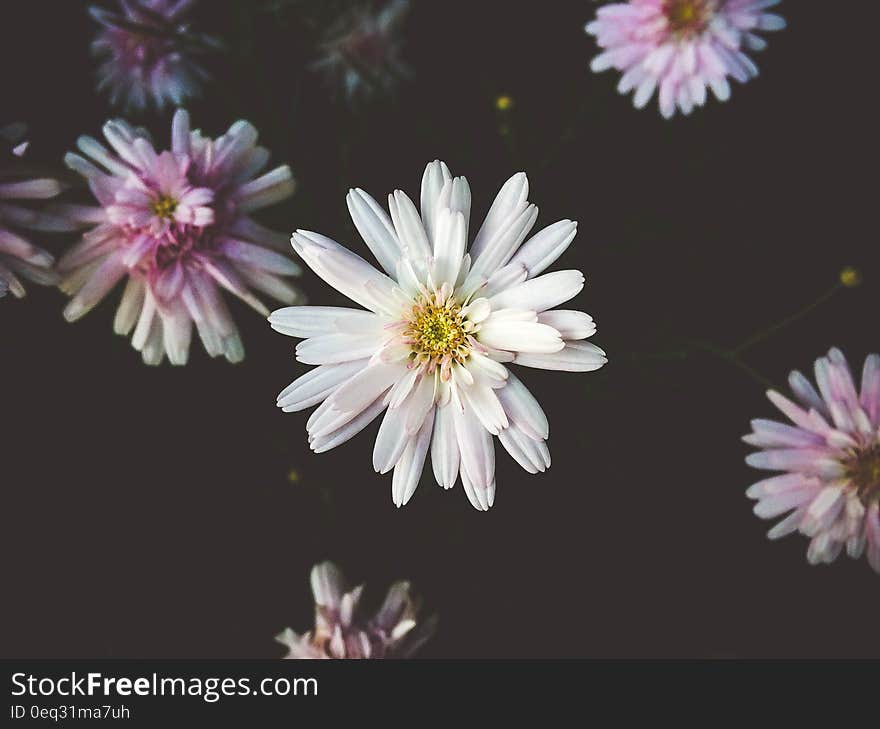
x,y
20,210
361,50
148,53
176,224
681,48
831,456
341,631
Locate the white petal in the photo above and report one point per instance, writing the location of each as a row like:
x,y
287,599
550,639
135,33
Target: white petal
x,y
408,224
334,348
541,293
477,310
311,321
444,448
456,196
391,440
543,248
513,194
504,278
501,247
570,324
366,386
478,496
519,336
419,404
435,176
485,405
523,409
346,272
476,448
531,454
349,429
408,470
575,357
487,370
450,241
375,228
317,384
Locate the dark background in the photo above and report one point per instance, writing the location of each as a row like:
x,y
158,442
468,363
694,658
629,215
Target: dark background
x,y
148,512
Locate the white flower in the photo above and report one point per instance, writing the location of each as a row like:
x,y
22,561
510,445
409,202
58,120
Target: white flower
x,y
437,328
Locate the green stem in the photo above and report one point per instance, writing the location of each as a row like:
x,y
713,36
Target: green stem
x,y
766,333
734,359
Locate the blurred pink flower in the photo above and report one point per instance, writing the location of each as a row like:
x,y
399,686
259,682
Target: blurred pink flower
x,y
681,47
20,190
177,224
147,49
831,457
341,632
361,51
438,326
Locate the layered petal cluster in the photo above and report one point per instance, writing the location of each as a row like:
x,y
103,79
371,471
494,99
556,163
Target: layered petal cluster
x,y
176,226
681,48
21,209
361,51
438,325
148,53
342,632
830,454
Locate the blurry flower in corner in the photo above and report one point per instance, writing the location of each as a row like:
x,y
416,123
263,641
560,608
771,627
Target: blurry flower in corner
x,y
148,53
340,631
831,459
176,224
681,48
437,327
361,51
21,193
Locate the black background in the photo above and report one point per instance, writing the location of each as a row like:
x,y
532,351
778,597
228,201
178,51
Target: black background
x,y
148,513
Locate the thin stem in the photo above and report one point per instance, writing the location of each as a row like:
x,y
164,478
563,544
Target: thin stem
x,y
733,358
769,331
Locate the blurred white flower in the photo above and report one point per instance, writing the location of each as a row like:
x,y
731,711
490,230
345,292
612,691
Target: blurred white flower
x,y
340,631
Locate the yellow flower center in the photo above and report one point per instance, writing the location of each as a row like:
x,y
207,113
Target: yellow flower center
x,y
863,471
688,16
164,207
436,331
438,334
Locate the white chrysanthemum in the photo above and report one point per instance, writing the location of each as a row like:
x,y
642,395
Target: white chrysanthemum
x,y
430,346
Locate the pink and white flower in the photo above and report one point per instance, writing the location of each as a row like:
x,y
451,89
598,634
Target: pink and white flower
x,y
21,194
176,224
148,52
831,460
342,632
681,48
361,52
437,328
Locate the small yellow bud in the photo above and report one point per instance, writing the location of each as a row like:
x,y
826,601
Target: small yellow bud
x,y
850,277
293,476
504,103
